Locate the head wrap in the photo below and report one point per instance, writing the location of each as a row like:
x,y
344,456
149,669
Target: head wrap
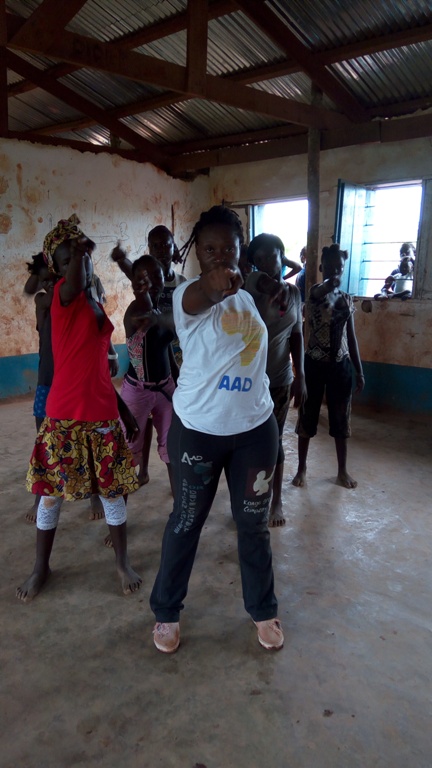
x,y
66,229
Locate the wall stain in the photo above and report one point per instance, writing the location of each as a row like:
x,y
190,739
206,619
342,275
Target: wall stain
x,y
5,223
33,195
19,179
4,185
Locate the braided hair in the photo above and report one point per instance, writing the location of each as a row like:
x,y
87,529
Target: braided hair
x,y
333,251
218,214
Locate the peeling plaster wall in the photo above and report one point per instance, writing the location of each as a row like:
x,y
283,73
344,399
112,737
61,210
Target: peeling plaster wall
x,y
391,335
115,199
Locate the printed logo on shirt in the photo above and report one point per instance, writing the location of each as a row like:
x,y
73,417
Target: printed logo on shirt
x,y
236,385
250,329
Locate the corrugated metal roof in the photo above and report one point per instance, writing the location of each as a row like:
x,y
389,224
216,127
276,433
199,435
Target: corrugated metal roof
x,y
235,44
329,23
196,119
297,86
110,20
106,90
95,135
389,76
37,108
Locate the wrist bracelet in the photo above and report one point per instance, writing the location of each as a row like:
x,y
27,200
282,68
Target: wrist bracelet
x,y
113,357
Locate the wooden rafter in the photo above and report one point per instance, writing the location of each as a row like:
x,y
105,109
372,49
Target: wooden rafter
x,y
130,41
60,91
219,8
81,146
47,20
87,52
235,139
3,72
196,53
359,133
270,24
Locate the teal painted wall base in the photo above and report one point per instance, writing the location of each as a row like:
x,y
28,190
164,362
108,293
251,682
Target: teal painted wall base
x,y
18,374
395,387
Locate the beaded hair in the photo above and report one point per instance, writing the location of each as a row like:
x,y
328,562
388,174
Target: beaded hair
x,y
218,214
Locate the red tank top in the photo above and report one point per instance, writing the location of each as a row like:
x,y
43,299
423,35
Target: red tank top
x,y
82,387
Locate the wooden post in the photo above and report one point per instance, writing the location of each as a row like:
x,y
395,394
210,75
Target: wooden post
x,y
314,142
3,72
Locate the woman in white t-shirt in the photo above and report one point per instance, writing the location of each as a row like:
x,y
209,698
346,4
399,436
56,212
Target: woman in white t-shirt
x,y
223,419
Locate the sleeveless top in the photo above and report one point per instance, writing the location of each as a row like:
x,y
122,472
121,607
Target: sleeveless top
x,y
82,387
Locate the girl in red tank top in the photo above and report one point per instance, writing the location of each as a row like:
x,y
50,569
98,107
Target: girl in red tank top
x,y
80,448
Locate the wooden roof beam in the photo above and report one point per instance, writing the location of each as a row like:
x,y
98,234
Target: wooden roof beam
x,y
87,52
60,91
132,40
196,52
81,146
4,127
271,25
360,133
47,20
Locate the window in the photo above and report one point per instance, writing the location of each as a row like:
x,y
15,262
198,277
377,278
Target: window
x,y
288,220
371,224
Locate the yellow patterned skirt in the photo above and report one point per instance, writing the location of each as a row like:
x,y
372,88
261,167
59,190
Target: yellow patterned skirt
x,y
73,459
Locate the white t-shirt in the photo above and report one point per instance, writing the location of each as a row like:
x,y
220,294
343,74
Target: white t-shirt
x,y
223,388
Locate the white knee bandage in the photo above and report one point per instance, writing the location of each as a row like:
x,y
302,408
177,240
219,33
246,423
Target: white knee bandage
x,y
48,512
115,510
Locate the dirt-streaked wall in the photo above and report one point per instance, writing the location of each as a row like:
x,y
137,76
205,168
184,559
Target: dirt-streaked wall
x,y
115,199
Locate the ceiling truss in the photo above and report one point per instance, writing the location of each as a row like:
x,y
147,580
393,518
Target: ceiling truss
x,y
349,122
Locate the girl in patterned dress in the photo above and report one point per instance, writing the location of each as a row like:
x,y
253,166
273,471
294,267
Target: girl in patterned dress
x,y
80,448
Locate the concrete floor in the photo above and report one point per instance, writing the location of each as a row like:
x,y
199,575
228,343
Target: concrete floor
x,y
82,684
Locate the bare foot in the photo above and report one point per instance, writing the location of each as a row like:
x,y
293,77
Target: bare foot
x,y
130,580
143,479
108,541
299,479
32,586
96,508
276,519
30,516
346,480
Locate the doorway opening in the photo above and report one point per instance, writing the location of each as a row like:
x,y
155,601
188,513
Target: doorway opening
x,y
287,219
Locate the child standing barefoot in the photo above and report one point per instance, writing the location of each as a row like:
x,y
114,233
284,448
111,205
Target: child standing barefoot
x,y
279,305
80,447
331,350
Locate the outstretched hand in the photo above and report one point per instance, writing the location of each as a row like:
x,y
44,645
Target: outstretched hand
x,y
222,280
118,254
280,297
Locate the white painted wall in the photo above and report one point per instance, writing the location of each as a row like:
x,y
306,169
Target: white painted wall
x,y
114,199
